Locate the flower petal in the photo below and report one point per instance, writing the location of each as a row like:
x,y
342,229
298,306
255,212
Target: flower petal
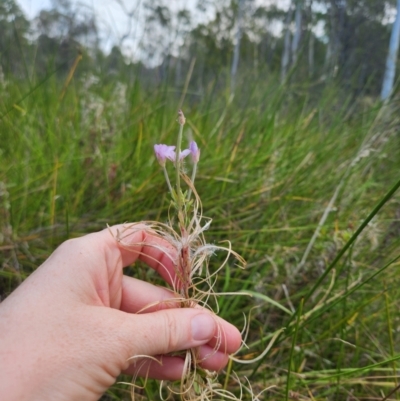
x,y
184,153
163,152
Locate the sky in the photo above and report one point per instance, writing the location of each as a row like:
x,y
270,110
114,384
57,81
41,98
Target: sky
x,y
110,8
111,19
113,22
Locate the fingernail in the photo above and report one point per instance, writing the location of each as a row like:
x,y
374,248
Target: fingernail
x,y
203,327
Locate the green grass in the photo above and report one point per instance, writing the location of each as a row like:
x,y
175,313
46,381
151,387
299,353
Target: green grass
x,y
271,161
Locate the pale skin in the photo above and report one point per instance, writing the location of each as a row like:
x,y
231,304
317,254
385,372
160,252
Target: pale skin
x,y
70,329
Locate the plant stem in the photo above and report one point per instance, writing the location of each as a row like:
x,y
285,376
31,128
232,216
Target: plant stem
x,y
178,172
194,171
291,356
168,181
360,229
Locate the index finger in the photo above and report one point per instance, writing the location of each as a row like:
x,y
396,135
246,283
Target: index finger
x,y
139,241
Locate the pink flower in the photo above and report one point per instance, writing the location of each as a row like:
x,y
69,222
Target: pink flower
x,y
164,152
184,153
195,151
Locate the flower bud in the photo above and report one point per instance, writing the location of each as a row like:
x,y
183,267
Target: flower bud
x,y
195,152
181,118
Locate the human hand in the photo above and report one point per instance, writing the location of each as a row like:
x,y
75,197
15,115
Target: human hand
x,y
69,330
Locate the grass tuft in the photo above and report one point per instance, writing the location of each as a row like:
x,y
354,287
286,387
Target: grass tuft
x,y
282,168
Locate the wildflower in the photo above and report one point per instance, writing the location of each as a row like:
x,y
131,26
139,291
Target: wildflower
x,y
195,152
164,152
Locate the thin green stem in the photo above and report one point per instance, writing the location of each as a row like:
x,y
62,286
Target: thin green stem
x,y
360,229
291,356
228,374
194,171
178,168
390,333
168,181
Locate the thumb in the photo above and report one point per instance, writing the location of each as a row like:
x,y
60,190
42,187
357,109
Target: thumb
x,y
168,331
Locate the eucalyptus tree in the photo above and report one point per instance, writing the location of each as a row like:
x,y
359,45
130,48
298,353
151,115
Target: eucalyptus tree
x,y
391,60
211,42
156,42
335,22
287,41
311,39
65,21
298,19
183,27
14,30
297,30
236,52
356,34
65,31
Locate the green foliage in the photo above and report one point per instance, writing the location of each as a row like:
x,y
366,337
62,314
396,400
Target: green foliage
x,y
13,30
271,160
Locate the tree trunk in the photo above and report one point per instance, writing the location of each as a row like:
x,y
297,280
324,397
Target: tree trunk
x,y
311,40
286,49
390,70
334,56
297,34
236,52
